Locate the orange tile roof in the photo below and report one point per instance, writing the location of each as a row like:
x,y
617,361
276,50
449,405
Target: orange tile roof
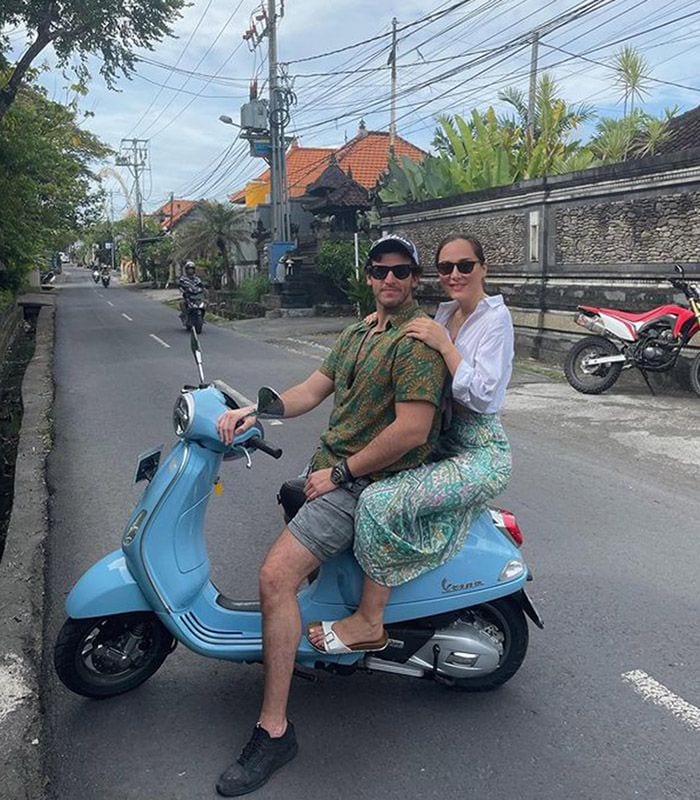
x,y
178,208
366,156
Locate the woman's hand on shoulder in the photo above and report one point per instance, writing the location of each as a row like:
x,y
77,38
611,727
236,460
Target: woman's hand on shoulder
x,y
428,331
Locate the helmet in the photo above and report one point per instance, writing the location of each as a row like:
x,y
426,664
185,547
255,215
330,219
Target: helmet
x,y
189,266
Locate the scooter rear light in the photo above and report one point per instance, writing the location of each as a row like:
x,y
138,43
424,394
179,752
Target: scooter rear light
x,y
511,525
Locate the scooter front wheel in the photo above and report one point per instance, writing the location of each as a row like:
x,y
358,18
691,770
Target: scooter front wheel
x,y
105,656
504,622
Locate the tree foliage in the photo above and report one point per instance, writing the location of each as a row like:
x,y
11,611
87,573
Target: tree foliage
x,y
46,188
109,29
213,231
485,150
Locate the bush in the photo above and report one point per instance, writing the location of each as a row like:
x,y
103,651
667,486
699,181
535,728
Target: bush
x,y
252,289
337,261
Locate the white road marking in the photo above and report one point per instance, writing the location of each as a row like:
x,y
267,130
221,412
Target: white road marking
x,y
126,316
110,304
275,422
160,341
99,294
657,693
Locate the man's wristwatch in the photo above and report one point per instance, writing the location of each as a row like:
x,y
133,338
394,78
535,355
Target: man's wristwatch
x,y
340,473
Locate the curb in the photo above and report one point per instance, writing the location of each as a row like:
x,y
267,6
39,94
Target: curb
x,y
22,583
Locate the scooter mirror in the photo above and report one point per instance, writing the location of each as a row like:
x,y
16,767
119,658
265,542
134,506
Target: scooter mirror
x,y
679,269
270,405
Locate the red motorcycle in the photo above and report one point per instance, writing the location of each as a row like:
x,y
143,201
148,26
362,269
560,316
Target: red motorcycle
x,y
650,341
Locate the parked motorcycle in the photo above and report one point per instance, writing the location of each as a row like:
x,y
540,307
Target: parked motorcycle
x,y
462,624
47,278
651,341
193,307
105,277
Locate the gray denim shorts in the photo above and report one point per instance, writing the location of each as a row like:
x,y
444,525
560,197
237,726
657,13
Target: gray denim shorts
x,y
326,525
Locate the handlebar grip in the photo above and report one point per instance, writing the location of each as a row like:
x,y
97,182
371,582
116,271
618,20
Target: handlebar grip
x,y
261,444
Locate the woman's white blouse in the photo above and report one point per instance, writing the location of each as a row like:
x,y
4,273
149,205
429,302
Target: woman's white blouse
x,y
485,342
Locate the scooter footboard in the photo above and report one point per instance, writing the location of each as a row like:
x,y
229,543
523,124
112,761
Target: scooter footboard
x,y
106,588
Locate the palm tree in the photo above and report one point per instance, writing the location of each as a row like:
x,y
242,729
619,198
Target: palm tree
x,y
213,231
632,76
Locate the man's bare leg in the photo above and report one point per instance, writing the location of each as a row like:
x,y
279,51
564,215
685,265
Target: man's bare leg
x,y
366,624
286,565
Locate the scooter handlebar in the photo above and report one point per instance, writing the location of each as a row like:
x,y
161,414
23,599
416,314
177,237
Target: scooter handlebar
x,y
260,444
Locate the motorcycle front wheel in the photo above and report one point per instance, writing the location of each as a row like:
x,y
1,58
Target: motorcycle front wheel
x,y
504,621
105,656
695,374
594,379
197,322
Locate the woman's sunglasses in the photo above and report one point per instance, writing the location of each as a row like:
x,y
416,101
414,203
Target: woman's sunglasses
x,y
379,271
465,266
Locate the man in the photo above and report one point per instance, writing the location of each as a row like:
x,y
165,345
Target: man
x,y
385,417
189,282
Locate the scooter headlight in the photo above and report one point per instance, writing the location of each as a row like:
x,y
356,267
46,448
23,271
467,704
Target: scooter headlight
x,y
183,414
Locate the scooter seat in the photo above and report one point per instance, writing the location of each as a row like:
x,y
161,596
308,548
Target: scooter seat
x,y
291,497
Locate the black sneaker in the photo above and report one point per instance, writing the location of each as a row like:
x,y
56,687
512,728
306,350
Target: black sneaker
x,y
259,759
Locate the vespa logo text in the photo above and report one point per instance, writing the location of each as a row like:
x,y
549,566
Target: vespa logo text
x,y
459,587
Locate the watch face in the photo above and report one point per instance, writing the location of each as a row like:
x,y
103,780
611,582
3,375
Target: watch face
x,y
336,475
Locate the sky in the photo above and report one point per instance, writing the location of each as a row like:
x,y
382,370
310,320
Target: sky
x,y
451,57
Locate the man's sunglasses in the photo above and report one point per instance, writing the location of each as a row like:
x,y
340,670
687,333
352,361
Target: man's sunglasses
x,y
380,271
465,266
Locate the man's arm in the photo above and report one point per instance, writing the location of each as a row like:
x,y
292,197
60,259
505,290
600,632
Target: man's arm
x,y
297,401
410,429
307,395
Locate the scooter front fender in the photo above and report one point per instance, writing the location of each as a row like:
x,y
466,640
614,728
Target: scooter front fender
x,y
106,588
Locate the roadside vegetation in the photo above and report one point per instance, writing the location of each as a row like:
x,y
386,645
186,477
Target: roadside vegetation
x,y
48,190
486,149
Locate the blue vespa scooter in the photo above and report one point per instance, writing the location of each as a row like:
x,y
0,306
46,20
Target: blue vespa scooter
x,y
462,624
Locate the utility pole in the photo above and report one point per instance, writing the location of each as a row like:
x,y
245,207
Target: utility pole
x,y
392,61
263,124
532,96
134,156
278,172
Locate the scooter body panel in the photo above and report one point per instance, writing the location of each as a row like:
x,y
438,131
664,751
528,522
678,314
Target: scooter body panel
x,y
108,587
473,576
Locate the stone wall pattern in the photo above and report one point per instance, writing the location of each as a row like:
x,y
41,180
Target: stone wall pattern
x,y
503,236
646,230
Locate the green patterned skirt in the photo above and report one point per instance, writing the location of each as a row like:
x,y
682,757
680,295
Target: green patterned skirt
x,y
416,520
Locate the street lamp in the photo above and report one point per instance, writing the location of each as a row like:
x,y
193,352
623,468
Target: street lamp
x,y
228,121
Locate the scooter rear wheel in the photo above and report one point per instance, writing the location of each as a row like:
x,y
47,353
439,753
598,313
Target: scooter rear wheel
x,y
105,656
504,620
596,379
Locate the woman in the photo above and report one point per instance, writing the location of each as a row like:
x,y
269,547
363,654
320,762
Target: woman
x,y
416,520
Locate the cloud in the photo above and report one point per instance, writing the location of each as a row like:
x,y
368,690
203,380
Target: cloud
x,y
442,67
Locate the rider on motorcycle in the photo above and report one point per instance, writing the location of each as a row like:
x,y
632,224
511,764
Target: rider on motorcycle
x,y
189,282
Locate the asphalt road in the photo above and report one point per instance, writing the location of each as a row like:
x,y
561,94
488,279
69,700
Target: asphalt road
x,y
605,490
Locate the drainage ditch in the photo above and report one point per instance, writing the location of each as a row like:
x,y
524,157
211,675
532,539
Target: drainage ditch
x,y
11,374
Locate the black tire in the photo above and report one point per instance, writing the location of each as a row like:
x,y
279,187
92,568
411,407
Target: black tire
x,y
88,652
599,378
506,618
695,374
198,322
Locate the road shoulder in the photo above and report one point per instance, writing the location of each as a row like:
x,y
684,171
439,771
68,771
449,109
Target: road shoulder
x,y
22,583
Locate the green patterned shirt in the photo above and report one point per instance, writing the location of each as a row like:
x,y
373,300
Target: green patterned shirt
x,y
392,368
